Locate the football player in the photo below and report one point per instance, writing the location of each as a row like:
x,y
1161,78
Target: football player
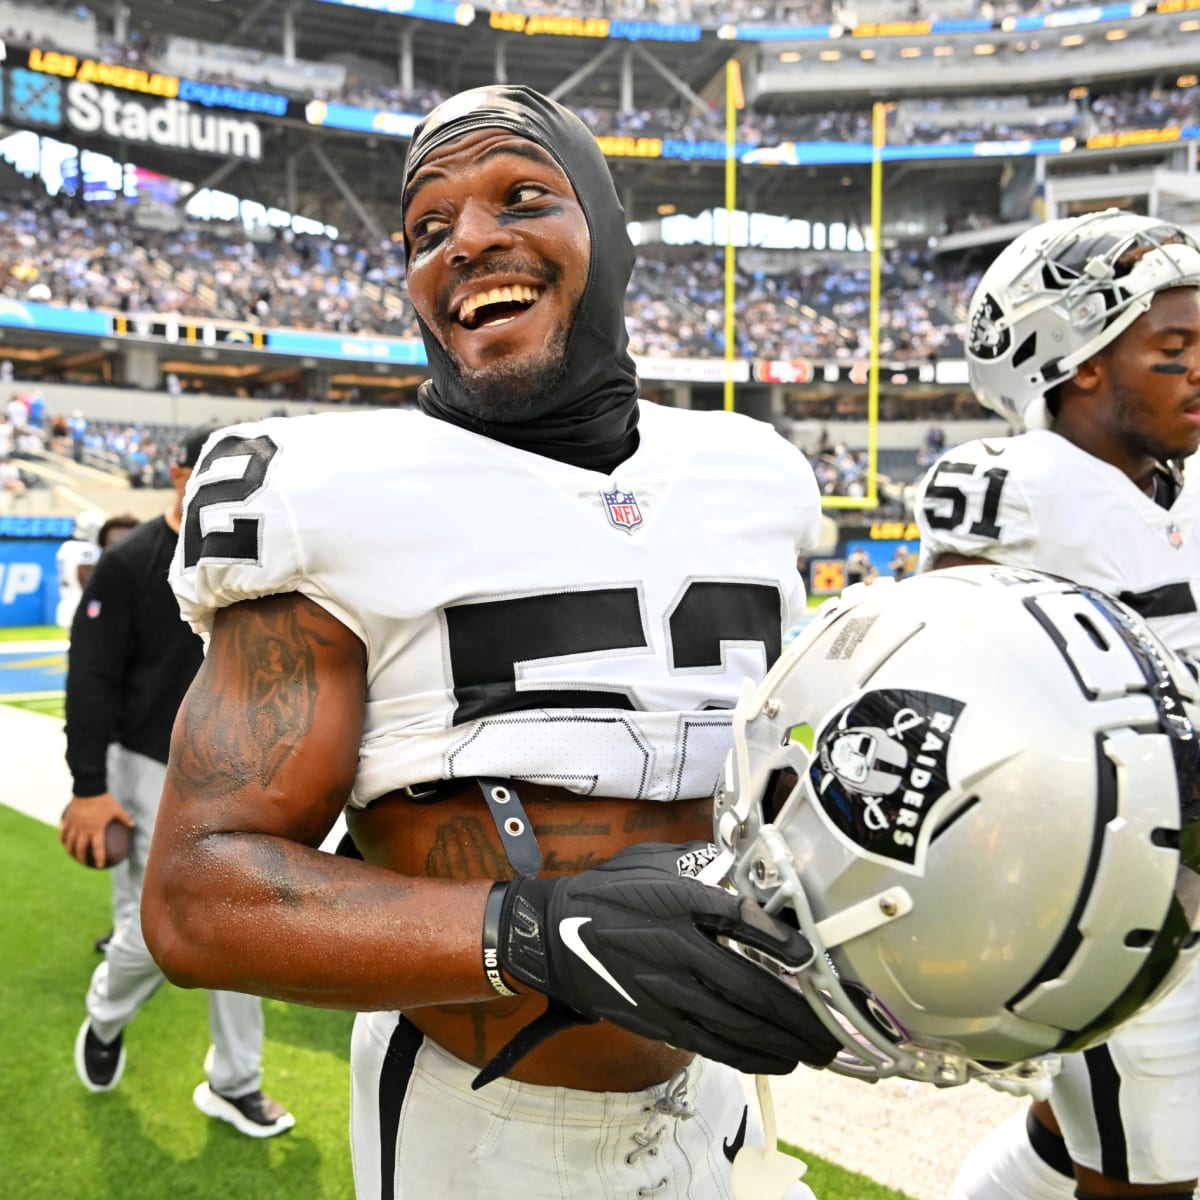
x,y
1086,332
507,631
75,560
130,662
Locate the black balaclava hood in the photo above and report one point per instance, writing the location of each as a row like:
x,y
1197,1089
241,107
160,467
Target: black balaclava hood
x,y
591,421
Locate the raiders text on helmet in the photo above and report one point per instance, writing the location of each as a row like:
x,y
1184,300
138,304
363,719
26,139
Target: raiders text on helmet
x,y
1059,294
976,791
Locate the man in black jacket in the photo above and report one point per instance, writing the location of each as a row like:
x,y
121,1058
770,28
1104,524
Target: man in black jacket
x,y
130,662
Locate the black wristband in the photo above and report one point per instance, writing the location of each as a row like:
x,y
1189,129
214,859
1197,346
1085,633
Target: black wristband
x,y
491,939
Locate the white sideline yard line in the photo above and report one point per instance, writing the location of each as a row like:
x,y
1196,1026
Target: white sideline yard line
x,y
50,645
20,697
907,1136
34,779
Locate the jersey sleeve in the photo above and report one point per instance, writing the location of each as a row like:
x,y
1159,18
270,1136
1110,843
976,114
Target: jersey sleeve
x,y
808,506
238,540
975,501
797,485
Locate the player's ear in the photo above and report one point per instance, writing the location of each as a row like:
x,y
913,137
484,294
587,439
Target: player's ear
x,y
1091,373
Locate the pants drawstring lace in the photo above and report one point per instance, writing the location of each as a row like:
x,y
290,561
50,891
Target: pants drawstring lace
x,y
672,1103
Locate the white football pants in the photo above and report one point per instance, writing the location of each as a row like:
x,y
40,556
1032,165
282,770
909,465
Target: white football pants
x,y
417,1130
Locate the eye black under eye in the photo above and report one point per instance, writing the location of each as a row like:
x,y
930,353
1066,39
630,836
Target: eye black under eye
x,y
421,228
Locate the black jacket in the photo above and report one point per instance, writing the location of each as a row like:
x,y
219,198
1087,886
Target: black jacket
x,y
131,657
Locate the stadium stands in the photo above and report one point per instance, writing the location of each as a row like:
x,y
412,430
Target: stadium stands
x,y
54,252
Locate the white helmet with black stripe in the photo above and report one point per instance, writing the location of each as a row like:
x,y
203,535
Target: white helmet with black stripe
x,y
1060,293
1028,876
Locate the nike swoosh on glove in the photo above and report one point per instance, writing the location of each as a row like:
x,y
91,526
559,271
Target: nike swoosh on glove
x,y
634,942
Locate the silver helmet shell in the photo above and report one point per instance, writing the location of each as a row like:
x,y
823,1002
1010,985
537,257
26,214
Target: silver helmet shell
x,y
975,793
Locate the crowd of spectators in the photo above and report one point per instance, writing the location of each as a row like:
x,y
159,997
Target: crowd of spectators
x,y
54,251
140,452
818,311
1055,116
22,437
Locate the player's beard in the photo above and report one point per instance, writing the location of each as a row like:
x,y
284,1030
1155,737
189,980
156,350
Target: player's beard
x,y
1132,414
511,390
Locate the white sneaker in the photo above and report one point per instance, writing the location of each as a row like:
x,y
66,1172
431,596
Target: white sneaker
x,y
253,1114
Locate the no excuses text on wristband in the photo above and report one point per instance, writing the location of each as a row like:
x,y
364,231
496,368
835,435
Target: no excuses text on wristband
x,y
491,940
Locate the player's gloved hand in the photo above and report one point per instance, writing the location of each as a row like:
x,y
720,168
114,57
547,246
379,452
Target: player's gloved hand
x,y
634,941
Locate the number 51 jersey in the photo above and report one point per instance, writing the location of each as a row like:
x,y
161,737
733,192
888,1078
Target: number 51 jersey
x,y
1037,500
522,617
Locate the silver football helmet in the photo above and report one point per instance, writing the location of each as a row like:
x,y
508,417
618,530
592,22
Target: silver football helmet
x,y
1059,294
87,525
975,792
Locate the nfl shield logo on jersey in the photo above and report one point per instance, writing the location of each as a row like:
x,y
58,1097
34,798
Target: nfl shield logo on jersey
x,y
1175,535
623,510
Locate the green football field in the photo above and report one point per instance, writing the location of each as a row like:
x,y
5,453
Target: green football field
x,y
145,1141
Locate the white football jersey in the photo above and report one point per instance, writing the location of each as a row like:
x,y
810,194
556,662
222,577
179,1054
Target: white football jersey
x,y
71,555
523,618
1037,500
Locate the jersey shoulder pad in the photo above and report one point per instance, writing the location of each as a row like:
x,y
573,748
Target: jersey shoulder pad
x,y
236,540
774,465
271,501
975,501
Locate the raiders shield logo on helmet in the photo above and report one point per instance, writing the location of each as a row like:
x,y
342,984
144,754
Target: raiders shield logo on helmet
x,y
986,338
879,768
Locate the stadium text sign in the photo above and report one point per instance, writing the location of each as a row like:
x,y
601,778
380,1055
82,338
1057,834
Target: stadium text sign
x,y
173,123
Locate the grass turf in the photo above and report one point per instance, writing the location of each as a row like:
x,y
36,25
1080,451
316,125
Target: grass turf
x,y
145,1139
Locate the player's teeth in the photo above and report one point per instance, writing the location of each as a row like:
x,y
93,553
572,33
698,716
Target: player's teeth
x,y
496,295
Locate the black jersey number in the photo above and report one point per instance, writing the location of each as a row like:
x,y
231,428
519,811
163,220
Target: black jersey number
x,y
487,639
241,541
942,491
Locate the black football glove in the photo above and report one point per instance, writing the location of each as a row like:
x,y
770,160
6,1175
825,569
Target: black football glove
x,y
634,942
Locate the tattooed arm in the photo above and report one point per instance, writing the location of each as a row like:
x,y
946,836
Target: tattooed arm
x,y
237,896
